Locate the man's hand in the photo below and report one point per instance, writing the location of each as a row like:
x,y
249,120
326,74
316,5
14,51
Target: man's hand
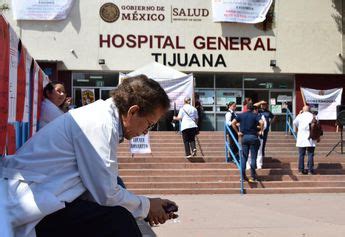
x,y
240,134
157,214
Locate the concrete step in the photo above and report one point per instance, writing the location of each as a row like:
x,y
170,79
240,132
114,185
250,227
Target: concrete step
x,y
213,165
219,159
236,190
228,178
261,184
199,172
166,171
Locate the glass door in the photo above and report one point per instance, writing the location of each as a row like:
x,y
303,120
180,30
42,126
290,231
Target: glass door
x,y
105,93
256,94
278,104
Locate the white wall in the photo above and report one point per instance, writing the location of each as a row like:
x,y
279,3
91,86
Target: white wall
x,y
306,37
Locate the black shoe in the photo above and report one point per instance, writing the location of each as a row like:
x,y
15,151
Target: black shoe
x,y
311,172
255,179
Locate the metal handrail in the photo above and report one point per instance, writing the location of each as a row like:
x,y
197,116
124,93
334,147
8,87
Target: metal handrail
x,y
228,149
288,122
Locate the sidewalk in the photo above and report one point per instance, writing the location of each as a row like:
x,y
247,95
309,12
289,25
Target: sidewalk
x,y
277,215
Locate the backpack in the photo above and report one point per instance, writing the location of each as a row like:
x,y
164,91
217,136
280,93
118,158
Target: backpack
x,y
315,130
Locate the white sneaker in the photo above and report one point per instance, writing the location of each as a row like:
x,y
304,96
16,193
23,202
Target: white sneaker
x,y
194,152
190,156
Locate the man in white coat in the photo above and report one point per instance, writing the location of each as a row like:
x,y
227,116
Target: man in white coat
x,y
304,143
62,182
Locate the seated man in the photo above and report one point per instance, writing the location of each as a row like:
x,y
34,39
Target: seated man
x,y
62,182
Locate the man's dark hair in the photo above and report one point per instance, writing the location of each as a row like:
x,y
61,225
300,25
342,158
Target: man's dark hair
x,y
50,87
230,103
250,106
142,91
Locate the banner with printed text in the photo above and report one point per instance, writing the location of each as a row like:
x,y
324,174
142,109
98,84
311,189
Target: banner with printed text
x,y
140,144
4,75
241,11
34,99
41,9
177,88
324,102
13,70
21,84
28,74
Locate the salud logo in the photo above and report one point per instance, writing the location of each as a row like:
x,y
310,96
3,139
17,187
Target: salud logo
x,y
109,12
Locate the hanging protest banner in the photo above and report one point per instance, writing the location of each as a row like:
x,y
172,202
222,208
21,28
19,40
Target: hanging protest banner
x,y
11,139
140,144
13,68
40,92
324,102
28,62
177,88
21,84
4,75
41,10
241,11
87,96
34,99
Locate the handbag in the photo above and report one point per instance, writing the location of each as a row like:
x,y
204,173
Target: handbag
x,y
197,131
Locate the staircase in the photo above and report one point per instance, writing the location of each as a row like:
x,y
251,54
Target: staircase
x,y
166,171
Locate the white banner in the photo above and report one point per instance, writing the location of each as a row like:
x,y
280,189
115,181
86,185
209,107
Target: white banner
x,y
28,61
140,144
323,101
242,11
177,89
13,70
41,9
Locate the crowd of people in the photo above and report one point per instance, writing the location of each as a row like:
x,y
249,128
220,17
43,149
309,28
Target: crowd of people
x,y
250,128
69,181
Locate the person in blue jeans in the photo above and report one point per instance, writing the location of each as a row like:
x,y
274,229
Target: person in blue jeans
x,y
249,124
270,118
303,142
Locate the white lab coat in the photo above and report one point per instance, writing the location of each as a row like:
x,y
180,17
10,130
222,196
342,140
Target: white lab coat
x,y
302,122
228,117
188,121
69,156
49,112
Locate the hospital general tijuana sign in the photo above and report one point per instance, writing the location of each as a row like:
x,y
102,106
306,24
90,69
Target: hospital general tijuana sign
x,y
200,44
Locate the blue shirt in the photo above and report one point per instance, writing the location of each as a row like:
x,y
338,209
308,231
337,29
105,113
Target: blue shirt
x,y
248,123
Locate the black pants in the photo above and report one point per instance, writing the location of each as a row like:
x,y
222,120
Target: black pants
x,y
265,136
232,144
88,219
188,136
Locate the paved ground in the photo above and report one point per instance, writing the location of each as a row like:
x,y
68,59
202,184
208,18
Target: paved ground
x,y
289,215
